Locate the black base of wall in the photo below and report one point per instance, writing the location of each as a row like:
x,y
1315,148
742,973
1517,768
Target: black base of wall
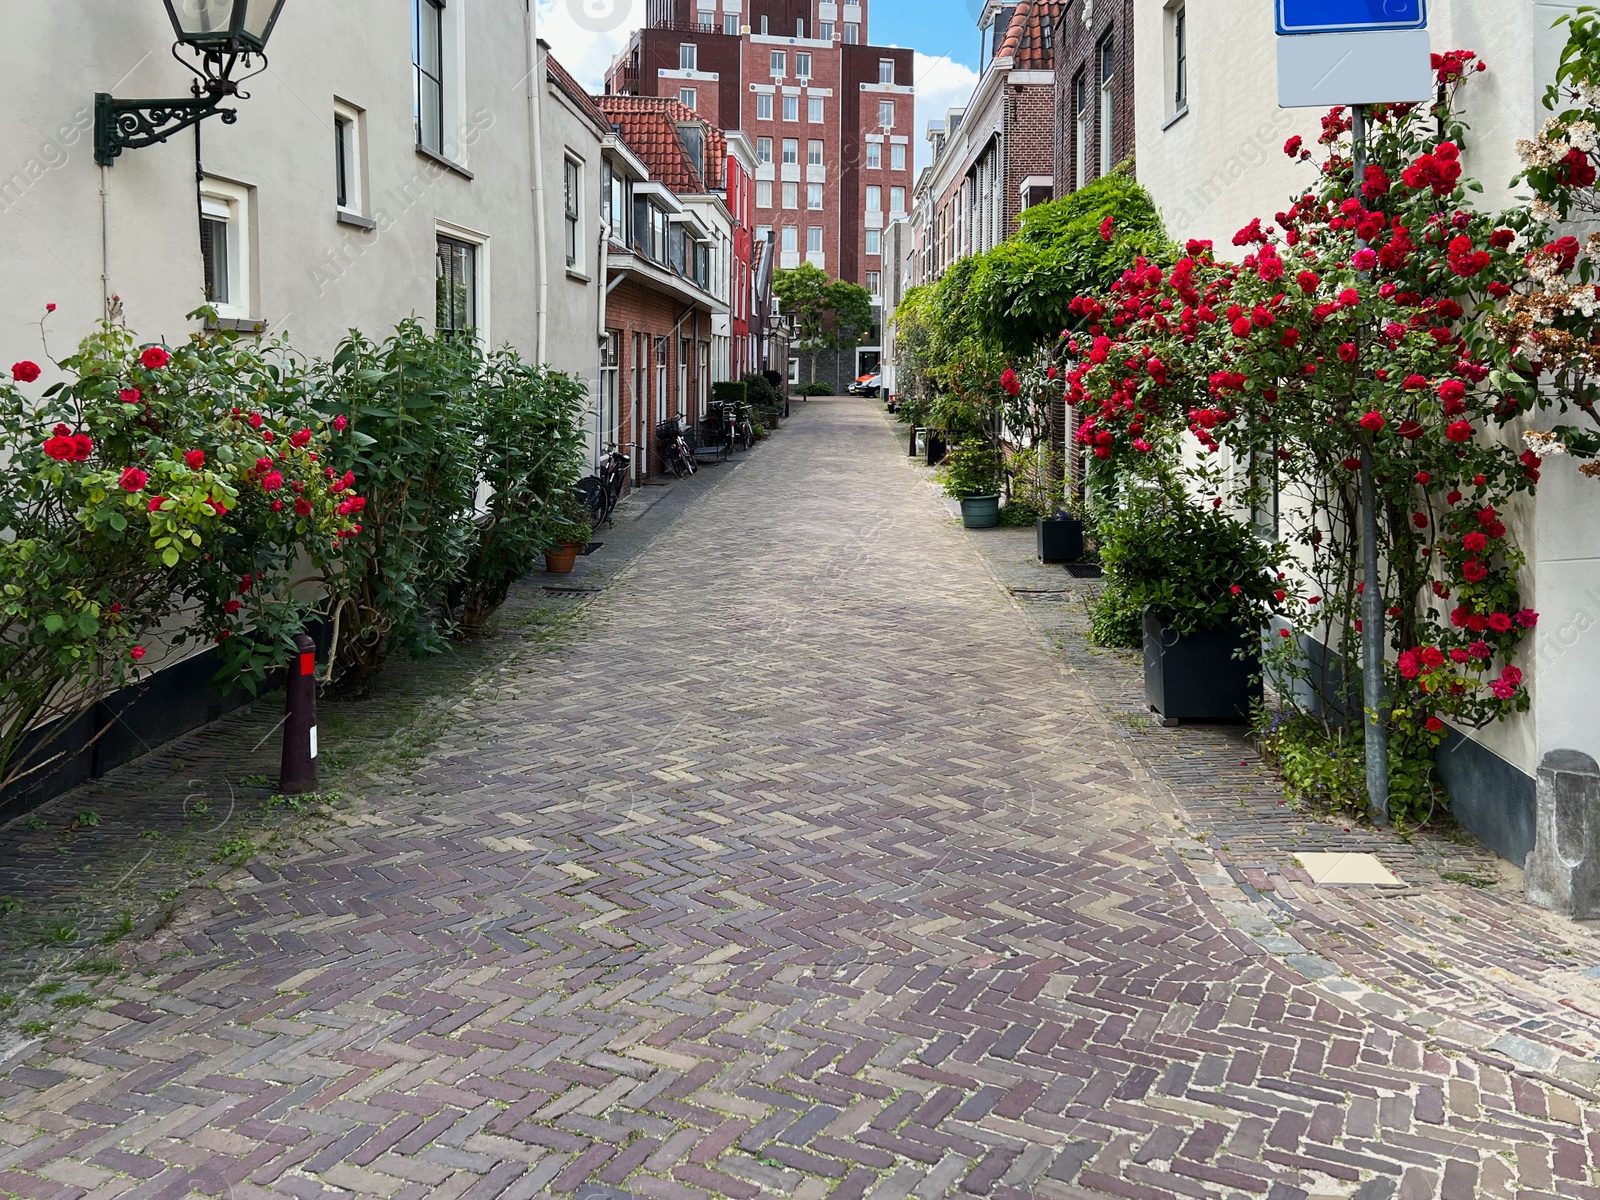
x,y
131,721
1496,802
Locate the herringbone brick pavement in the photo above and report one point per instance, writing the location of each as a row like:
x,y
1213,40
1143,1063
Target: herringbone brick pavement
x,y
804,871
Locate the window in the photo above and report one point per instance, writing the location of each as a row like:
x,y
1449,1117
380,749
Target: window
x,y
764,150
1107,107
814,109
778,59
457,307
874,198
897,157
874,155
886,70
825,30
763,193
791,151
852,32
814,152
347,158
791,195
763,106
790,238
616,204
427,59
686,97
886,113
214,260
1180,59
730,24
873,241
1080,138
763,25
799,27
763,233
791,108
813,195
874,281
813,239
572,189
897,199
688,56
802,63
693,137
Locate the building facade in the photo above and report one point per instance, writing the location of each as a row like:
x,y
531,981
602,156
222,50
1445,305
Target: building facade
x,y
1096,111
829,115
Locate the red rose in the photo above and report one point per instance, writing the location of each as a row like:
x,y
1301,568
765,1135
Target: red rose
x,y
24,372
231,607
130,395
1420,520
59,447
1308,281
271,481
154,358
1452,389
1527,618
1414,382
1432,656
246,583
1474,571
1422,476
1347,352
1411,431
339,422
1373,421
194,459
1435,725
1292,146
82,446
1364,259
133,480
1459,431
1475,542
1499,622
1242,327
1349,297
303,507
136,653
155,503
1352,464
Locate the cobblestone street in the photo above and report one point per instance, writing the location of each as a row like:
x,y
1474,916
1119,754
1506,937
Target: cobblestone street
x,y
809,866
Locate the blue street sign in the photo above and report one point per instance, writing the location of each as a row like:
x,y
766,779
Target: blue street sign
x,y
1348,16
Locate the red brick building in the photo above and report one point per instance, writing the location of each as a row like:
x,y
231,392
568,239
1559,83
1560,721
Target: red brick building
x,y
829,115
1094,90
669,270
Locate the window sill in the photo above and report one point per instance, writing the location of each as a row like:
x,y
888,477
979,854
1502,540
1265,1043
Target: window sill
x,y
1175,118
345,217
574,273
255,325
446,163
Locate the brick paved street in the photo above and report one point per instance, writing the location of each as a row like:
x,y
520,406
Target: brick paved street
x,y
804,869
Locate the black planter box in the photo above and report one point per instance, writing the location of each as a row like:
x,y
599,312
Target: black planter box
x,y
936,448
1198,677
1060,539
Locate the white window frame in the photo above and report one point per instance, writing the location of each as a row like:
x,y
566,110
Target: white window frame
x,y
791,194
852,33
825,31
885,108
791,152
802,64
814,114
886,70
791,239
479,241
874,156
897,157
778,63
1177,39
814,196
1104,49
791,108
574,211
452,85
223,200
897,200
764,150
353,135
730,24
763,193
763,106
874,198
814,152
874,243
686,97
688,56
813,239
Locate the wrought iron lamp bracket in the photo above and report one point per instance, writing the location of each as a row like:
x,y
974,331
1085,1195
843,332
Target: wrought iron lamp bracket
x,y
134,124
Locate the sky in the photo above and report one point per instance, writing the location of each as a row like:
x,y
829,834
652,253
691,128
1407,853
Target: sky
x,y
587,34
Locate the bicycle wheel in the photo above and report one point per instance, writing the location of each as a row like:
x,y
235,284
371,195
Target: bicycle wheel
x,y
591,492
681,467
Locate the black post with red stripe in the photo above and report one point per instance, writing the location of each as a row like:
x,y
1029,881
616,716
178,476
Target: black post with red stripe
x,y
299,769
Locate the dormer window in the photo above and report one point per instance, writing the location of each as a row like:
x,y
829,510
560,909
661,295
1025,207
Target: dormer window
x,y
693,137
994,34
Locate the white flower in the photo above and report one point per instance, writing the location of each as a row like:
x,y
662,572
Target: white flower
x,y
1542,211
1542,441
1582,135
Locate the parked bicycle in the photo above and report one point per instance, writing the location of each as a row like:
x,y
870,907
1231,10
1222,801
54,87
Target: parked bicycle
x,y
737,431
600,492
676,453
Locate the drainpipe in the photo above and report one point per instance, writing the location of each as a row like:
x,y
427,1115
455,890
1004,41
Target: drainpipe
x,y
603,291
536,147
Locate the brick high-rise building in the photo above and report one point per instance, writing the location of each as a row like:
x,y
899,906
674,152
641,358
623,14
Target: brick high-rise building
x,y
830,116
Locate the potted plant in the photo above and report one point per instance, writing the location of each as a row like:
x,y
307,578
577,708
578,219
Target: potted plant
x,y
1205,585
971,474
1060,537
570,531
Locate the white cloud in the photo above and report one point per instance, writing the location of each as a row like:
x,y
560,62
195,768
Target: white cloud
x,y
942,84
586,35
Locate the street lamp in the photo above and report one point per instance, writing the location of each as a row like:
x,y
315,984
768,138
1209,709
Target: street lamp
x,y
223,34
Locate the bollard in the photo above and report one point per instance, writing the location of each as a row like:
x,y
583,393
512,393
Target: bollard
x,y
299,770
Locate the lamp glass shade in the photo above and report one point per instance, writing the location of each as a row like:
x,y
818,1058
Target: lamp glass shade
x,y
215,24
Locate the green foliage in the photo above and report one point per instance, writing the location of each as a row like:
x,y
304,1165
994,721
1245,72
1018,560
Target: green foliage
x,y
1326,767
1035,480
532,452
151,483
1116,619
828,314
413,415
727,391
1018,514
1194,567
971,469
815,388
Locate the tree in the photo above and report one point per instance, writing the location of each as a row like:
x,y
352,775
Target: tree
x,y
828,314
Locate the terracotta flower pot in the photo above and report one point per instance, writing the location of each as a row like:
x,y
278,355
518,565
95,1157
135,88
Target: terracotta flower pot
x,y
559,561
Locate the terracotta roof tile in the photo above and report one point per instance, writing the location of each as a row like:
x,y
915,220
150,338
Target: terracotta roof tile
x,y
1028,40
649,125
563,79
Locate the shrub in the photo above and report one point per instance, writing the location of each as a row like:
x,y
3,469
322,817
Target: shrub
x,y
413,412
152,485
1195,568
815,388
1326,767
971,469
726,391
532,450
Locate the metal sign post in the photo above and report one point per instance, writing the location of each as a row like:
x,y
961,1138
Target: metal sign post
x,y
1356,53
